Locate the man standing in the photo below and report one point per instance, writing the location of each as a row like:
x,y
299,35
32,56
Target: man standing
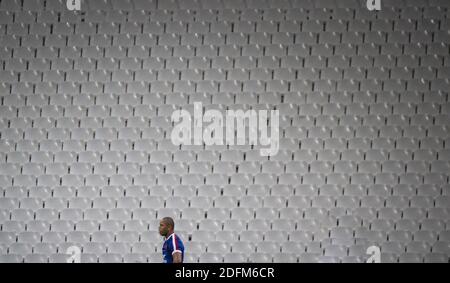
x,y
173,248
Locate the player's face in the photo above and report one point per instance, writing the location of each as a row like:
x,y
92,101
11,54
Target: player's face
x,y
163,228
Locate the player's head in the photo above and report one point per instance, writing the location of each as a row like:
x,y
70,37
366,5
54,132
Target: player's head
x,y
166,226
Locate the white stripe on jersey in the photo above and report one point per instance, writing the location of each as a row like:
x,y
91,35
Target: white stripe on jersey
x,y
174,243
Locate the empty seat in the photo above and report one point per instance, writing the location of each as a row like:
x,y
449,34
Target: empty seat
x,y
335,251
110,258
203,236
435,258
410,258
11,258
243,247
29,237
78,237
210,258
234,258
308,258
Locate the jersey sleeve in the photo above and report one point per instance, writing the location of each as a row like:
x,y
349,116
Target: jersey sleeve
x,y
175,244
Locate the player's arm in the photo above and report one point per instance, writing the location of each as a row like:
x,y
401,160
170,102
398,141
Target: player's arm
x,y
176,257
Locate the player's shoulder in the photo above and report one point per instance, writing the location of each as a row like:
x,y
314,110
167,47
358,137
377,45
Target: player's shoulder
x,y
176,236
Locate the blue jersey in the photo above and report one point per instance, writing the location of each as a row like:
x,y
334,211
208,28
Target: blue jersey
x,y
172,244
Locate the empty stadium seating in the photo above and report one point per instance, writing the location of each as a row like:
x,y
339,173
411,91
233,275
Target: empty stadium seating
x,y
86,157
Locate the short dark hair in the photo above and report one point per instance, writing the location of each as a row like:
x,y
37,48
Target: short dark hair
x,y
169,221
